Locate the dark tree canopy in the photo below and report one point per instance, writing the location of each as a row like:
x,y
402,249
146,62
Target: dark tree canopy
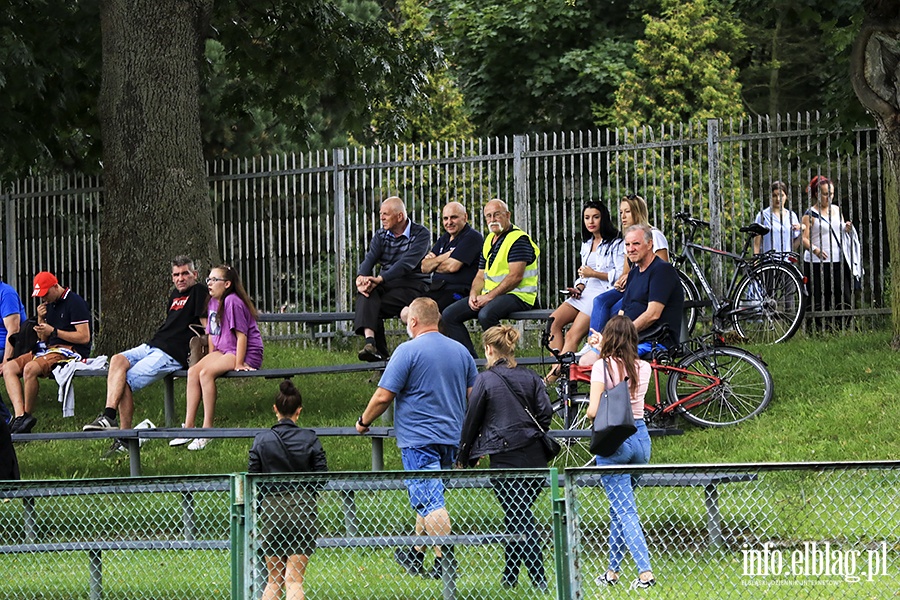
x,y
875,73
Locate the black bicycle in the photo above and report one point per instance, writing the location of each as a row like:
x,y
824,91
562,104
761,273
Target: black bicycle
x,y
766,299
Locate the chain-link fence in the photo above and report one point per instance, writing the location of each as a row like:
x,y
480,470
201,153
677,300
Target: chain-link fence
x,y
712,531
160,538
742,531
493,531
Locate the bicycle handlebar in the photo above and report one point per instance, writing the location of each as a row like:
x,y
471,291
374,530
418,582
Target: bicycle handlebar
x,y
687,218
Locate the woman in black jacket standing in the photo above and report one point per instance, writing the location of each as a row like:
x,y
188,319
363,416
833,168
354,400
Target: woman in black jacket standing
x,y
509,410
287,511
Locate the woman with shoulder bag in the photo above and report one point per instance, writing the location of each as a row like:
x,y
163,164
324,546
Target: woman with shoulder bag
x,y
618,360
508,415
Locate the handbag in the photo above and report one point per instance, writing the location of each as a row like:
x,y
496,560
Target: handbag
x,y
198,347
614,422
551,447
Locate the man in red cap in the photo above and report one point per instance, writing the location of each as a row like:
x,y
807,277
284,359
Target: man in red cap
x,y
64,331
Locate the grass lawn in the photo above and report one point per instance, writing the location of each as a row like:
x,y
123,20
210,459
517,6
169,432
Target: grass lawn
x,y
833,401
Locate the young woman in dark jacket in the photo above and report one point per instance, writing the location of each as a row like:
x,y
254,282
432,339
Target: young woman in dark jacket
x,y
287,511
498,425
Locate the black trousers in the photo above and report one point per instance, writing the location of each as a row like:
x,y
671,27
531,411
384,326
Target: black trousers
x,y
516,496
830,285
386,300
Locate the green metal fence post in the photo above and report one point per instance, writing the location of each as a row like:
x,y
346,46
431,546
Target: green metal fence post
x,y
238,535
560,539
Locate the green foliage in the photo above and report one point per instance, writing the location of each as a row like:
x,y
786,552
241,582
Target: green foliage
x,y
683,68
535,66
49,79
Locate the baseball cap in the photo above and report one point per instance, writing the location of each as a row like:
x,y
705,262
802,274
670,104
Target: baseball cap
x,y
43,281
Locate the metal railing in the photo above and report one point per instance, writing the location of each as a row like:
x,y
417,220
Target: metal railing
x,y
297,225
803,530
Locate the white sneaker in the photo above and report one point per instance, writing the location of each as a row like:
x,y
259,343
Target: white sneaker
x,y
584,350
198,444
180,441
145,424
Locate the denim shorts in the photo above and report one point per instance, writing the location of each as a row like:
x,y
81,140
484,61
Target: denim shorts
x,y
148,364
427,495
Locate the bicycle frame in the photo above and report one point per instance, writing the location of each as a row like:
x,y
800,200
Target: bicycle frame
x,y
664,406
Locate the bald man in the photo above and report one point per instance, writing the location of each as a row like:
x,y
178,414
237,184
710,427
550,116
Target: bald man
x,y
506,281
428,380
453,260
398,248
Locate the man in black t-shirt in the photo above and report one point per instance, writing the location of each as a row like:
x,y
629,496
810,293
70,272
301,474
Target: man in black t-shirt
x,y
453,260
166,352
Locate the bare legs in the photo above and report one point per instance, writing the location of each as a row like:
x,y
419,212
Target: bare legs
x,y
285,572
201,385
118,393
22,396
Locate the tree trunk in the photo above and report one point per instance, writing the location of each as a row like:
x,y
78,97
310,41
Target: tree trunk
x,y
876,78
156,203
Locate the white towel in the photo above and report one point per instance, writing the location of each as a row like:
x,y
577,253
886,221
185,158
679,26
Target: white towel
x,y
64,374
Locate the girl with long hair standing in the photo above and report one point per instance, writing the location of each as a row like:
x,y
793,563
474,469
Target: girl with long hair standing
x,y
619,360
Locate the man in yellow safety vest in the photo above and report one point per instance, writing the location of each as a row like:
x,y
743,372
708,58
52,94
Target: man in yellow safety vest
x,y
506,282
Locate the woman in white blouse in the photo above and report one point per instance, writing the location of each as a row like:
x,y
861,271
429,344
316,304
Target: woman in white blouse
x,y
602,260
784,225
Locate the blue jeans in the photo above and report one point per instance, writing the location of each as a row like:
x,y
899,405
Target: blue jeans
x,y
456,315
606,305
625,527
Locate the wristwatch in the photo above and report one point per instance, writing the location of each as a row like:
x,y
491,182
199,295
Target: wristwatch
x,y
359,422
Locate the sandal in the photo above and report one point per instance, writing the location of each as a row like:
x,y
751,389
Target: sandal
x,y
552,376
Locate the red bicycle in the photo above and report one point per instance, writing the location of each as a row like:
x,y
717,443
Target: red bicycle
x,y
706,382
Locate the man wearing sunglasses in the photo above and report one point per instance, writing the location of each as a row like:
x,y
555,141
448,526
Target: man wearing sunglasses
x,y
166,352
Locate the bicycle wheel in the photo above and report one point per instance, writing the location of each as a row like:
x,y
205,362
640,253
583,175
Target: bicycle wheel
x,y
769,304
575,450
744,387
691,298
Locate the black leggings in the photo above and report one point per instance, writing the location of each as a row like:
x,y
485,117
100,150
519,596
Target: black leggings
x,y
517,496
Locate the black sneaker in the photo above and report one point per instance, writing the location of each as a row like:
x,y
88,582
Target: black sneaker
x,y
14,424
370,353
101,423
117,447
447,563
411,560
26,424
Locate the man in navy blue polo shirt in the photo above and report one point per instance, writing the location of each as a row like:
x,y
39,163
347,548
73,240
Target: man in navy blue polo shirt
x,y
64,331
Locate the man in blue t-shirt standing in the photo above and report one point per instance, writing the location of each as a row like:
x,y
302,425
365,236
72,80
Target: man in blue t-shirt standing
x,y
430,378
64,333
166,352
653,294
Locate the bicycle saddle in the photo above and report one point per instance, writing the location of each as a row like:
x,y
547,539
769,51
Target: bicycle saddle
x,y
755,229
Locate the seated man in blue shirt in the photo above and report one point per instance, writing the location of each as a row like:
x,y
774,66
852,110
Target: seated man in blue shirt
x,y
12,315
653,295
